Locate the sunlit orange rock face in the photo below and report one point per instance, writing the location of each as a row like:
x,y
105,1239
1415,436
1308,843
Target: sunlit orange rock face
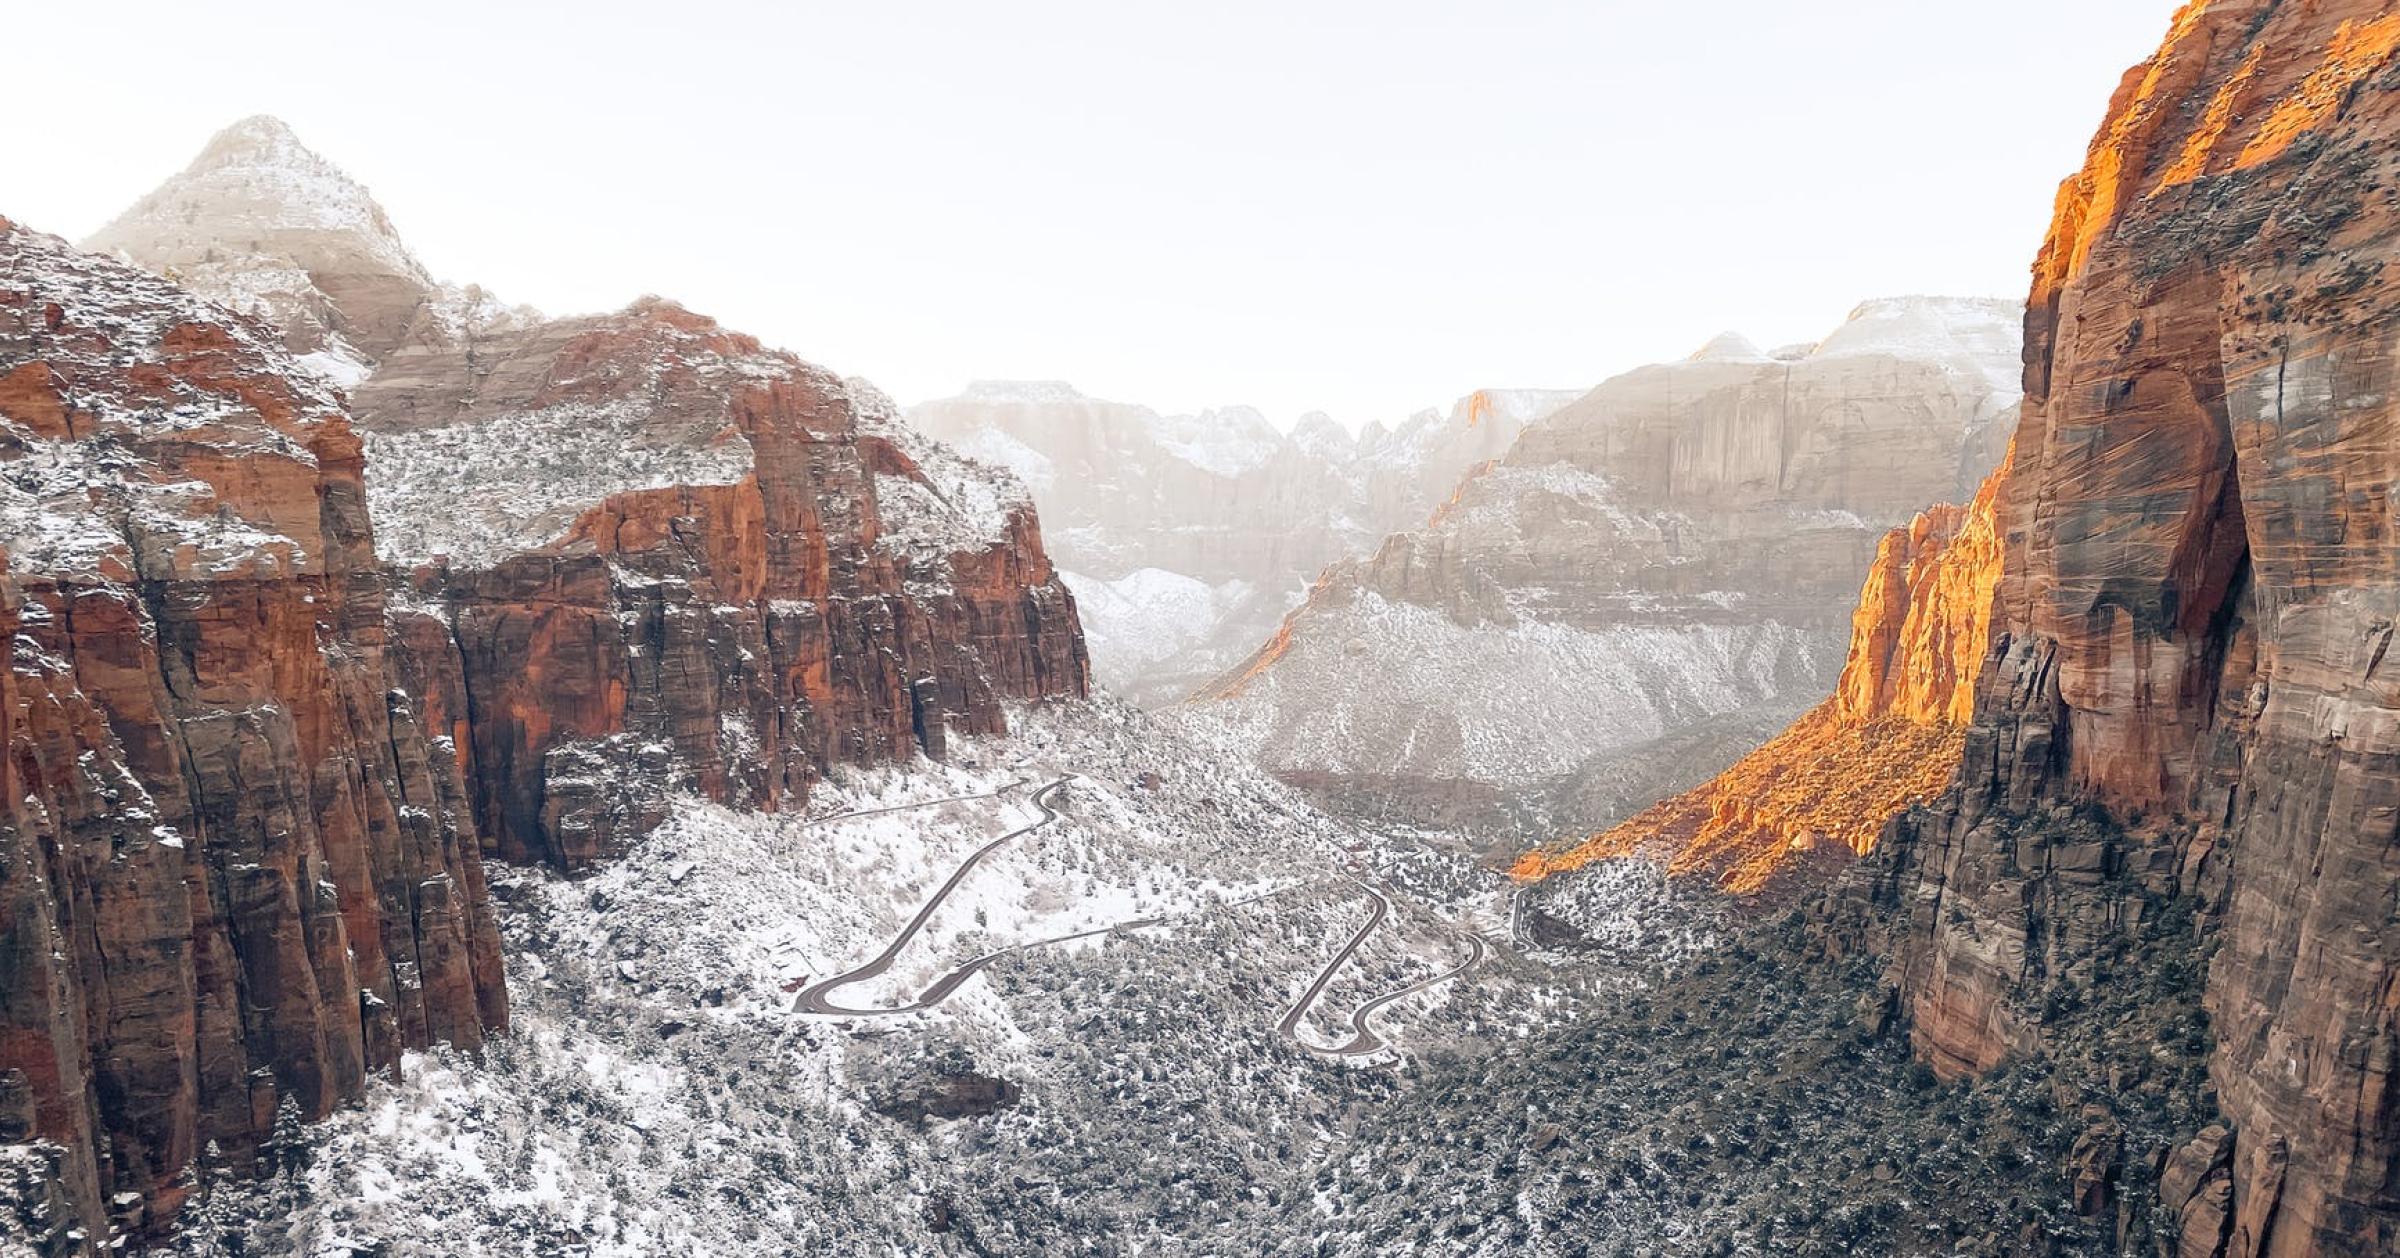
x,y
2192,628
235,871
1890,737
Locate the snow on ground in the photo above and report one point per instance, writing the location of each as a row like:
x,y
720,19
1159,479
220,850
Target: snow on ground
x,y
1149,615
1226,442
961,504
1498,703
657,1094
490,487
1977,334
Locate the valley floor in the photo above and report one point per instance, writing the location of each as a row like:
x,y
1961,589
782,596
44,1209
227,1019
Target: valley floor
x,y
1097,989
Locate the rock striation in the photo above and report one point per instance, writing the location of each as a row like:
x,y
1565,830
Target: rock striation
x,y
1653,577
1890,738
645,554
1188,537
291,659
237,874
2189,704
633,553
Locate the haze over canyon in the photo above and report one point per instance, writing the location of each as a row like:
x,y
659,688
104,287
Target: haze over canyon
x,y
480,781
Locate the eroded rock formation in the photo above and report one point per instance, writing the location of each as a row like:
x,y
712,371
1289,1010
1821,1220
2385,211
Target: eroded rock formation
x,y
1889,738
281,680
2192,630
236,874
1187,537
1653,578
646,553
259,223
631,553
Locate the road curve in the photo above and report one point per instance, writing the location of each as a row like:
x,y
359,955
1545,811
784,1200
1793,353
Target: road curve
x,y
814,998
944,987
1363,1040
1289,1028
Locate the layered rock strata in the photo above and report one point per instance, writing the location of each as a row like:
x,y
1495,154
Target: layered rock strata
x,y
1187,537
1652,579
1889,738
236,873
2189,700
643,553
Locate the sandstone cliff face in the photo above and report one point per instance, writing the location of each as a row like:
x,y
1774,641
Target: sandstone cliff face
x,y
630,554
1655,576
2200,587
235,872
647,554
1187,537
1890,737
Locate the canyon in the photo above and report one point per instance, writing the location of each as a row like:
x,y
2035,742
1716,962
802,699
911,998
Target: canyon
x,y
450,755
2145,679
283,679
1790,815
1186,538
2190,624
1650,580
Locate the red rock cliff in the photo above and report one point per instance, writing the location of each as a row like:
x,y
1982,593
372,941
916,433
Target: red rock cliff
x,y
650,555
235,874
2193,627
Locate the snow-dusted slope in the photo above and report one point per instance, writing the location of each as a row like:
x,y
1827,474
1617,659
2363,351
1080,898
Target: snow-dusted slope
x,y
1655,575
1194,534
662,1092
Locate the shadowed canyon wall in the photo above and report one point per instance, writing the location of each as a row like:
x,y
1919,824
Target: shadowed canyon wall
x,y
308,620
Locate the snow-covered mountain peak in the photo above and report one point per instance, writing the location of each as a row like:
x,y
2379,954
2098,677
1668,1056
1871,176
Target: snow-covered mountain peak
x,y
1929,327
259,139
1317,434
253,181
1728,347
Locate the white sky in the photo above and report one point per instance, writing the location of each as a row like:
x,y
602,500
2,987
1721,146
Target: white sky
x,y
1364,208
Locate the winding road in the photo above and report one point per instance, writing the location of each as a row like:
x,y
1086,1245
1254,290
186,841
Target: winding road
x,y
1363,1041
1289,1028
814,998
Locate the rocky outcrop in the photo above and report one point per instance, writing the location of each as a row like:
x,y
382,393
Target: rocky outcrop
x,y
1187,537
1654,578
646,554
236,874
630,554
281,680
1890,738
2189,703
